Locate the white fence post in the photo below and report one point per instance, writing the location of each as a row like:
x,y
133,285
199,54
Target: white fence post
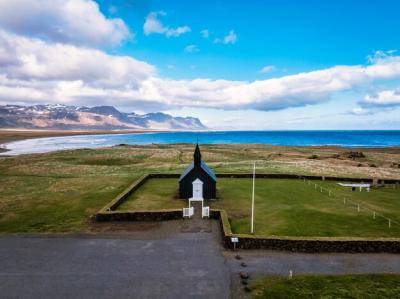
x,y
187,212
205,212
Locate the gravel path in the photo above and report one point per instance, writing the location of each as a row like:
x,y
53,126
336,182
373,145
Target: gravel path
x,y
177,259
185,265
280,263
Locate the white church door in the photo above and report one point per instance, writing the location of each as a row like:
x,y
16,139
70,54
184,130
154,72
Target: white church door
x,y
197,189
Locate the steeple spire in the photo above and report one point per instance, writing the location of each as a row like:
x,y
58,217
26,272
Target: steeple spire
x,y
197,156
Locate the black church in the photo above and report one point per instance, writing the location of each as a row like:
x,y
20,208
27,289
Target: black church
x,y
198,170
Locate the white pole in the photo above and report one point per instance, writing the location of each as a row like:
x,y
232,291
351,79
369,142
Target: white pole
x,y
252,199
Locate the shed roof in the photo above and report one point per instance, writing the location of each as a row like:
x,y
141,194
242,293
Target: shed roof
x,y
355,185
204,166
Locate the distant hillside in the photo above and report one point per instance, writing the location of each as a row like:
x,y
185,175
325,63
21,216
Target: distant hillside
x,y
101,117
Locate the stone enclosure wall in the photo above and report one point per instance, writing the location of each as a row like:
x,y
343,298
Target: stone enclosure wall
x,y
314,245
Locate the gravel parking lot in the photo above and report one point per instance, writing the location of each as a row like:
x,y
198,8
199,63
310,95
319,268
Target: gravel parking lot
x,y
182,265
184,259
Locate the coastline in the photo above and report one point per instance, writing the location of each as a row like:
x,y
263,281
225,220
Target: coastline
x,y
11,135
18,134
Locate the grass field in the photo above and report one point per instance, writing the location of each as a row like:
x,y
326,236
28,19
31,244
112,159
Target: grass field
x,y
155,194
373,286
294,208
285,207
59,191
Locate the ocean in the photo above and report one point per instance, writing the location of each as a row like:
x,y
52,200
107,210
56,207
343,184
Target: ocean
x,y
284,138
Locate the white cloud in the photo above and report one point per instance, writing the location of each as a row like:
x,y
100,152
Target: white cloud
x,y
32,59
191,49
153,25
230,38
361,111
380,55
384,98
205,33
79,22
34,71
267,69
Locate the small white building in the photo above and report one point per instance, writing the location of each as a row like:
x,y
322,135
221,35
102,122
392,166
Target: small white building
x,y
355,185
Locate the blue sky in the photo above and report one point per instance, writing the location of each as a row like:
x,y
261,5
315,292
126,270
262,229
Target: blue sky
x,y
234,64
292,35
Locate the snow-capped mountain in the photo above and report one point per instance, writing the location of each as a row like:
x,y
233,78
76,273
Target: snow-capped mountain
x,y
100,117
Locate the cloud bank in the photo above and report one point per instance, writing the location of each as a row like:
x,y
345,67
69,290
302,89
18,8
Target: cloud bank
x,y
35,71
78,22
384,98
45,57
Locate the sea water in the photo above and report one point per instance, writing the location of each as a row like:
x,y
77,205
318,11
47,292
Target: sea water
x,y
285,138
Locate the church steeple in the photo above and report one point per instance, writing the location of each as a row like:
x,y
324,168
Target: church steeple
x,y
197,156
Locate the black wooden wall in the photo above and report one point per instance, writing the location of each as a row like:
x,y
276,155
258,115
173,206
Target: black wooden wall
x,y
186,187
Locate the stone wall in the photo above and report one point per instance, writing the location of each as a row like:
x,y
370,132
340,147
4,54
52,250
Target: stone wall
x,y
113,205
108,213
160,215
308,177
303,244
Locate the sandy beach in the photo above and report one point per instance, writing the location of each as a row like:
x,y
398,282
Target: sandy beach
x,y
10,135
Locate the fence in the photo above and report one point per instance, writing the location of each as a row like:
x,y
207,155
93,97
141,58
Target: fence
x,y
349,203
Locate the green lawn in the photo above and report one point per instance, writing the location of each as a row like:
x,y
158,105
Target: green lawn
x,y
50,204
155,194
285,207
294,208
59,191
373,286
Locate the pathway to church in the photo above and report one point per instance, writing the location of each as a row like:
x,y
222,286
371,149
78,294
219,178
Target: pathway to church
x,y
173,259
197,224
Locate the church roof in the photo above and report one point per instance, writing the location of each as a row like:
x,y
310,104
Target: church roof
x,y
204,166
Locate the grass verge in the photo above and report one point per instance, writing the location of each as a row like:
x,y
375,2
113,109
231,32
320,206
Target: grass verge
x,y
372,286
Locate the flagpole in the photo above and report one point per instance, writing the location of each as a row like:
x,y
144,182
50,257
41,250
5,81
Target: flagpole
x,y
252,199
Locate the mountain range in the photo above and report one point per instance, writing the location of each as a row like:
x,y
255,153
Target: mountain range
x,y
98,118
